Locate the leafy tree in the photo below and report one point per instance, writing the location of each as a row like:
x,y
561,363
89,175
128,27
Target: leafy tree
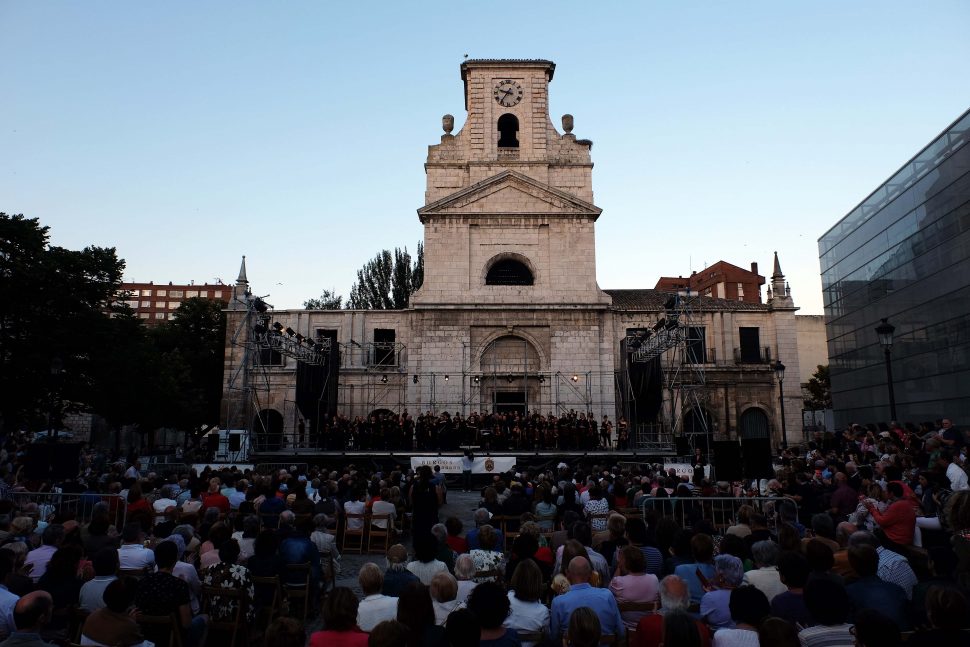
x,y
329,300
53,310
387,281
820,389
192,351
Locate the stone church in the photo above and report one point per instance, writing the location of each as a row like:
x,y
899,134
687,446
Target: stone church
x,y
510,316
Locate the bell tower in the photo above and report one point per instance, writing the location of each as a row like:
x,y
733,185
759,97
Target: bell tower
x,y
509,214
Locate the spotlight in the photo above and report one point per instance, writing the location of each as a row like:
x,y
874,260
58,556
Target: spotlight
x,y
415,379
575,378
299,338
278,327
259,329
290,331
260,305
476,379
660,325
383,379
446,378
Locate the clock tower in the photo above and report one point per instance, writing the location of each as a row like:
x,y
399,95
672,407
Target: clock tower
x,y
509,218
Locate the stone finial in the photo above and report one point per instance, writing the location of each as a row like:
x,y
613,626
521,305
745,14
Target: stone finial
x,y
448,123
567,124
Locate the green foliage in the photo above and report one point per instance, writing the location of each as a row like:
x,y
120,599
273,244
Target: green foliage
x,y
54,303
819,389
387,281
329,300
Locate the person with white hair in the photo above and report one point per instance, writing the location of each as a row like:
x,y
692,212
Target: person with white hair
x,y
375,607
465,574
444,593
765,575
728,575
674,598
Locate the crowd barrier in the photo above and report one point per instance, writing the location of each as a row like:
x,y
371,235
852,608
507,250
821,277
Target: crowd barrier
x,y
721,511
80,507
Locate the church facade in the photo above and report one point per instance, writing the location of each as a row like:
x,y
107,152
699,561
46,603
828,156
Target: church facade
x,y
510,316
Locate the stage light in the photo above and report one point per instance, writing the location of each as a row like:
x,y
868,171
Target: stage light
x,y
575,378
299,337
278,327
476,379
415,379
659,325
383,379
290,331
446,378
259,329
260,305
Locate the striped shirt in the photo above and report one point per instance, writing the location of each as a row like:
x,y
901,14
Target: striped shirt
x,y
827,636
895,569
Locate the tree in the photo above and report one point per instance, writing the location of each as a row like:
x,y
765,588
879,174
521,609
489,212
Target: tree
x,y
192,350
820,389
329,300
387,281
54,304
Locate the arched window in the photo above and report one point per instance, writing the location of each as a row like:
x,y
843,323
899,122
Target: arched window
x,y
509,271
508,127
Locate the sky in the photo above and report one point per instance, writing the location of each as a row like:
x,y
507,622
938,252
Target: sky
x,y
187,134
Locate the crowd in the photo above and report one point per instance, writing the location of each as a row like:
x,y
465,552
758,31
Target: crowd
x,y
862,538
491,431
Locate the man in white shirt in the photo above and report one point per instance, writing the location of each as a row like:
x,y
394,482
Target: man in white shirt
x,y
133,554
383,506
162,504
950,461
105,564
134,472
374,608
355,506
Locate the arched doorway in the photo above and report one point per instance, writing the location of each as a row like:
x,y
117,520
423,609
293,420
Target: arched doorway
x,y
753,424
268,430
510,368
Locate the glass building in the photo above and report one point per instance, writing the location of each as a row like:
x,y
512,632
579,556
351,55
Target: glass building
x,y
903,254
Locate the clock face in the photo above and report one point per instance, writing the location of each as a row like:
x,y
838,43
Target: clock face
x,y
508,93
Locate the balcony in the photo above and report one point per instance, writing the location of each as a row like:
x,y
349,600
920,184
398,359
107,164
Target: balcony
x,y
752,355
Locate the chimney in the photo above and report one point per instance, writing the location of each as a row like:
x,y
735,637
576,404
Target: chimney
x,y
754,267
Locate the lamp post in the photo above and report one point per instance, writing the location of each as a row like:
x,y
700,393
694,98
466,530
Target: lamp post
x,y
780,374
885,331
53,417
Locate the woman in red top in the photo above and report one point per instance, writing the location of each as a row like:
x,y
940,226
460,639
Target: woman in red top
x,y
340,620
138,507
455,541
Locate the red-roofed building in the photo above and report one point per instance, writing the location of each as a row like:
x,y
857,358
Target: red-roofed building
x,y
722,280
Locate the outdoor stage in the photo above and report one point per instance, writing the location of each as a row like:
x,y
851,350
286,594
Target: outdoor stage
x,y
533,458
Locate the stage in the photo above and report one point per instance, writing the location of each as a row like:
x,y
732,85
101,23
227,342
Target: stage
x,y
533,458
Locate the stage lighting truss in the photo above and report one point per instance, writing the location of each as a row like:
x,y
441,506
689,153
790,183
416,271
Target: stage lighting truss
x,y
650,344
290,343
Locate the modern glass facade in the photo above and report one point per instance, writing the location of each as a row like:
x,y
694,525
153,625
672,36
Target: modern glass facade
x,y
903,254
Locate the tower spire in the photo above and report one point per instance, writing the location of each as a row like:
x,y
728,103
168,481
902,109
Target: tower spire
x,y
779,293
242,280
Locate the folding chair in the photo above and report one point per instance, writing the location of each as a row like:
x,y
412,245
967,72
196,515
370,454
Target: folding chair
x,y
297,586
269,596
164,631
383,537
235,626
346,545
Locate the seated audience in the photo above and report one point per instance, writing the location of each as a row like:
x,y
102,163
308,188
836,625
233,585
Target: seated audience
x,y
581,594
339,621
375,607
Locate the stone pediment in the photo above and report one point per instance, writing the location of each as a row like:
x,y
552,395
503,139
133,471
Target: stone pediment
x,y
510,193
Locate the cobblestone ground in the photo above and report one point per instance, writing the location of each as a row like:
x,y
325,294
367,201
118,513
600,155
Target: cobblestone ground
x,y
460,504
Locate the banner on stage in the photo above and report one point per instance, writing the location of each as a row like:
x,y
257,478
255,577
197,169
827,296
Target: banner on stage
x,y
680,469
452,464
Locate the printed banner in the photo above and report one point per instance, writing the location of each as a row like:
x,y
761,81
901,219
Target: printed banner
x,y
452,464
680,469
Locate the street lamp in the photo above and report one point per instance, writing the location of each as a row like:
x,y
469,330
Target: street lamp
x,y
780,374
57,368
885,331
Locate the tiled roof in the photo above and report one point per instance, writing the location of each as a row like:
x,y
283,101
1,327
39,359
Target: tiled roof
x,y
507,60
654,300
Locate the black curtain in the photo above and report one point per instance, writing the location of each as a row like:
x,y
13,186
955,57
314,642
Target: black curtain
x,y
643,398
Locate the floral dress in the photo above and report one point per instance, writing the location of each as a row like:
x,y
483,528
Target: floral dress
x,y
229,576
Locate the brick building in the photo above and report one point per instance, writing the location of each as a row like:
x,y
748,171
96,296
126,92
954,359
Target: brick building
x,y
155,303
722,280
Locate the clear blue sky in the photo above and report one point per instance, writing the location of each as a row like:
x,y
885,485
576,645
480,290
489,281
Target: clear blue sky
x,y
189,133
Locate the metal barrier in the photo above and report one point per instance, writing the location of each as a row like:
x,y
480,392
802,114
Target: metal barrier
x,y
78,506
722,512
